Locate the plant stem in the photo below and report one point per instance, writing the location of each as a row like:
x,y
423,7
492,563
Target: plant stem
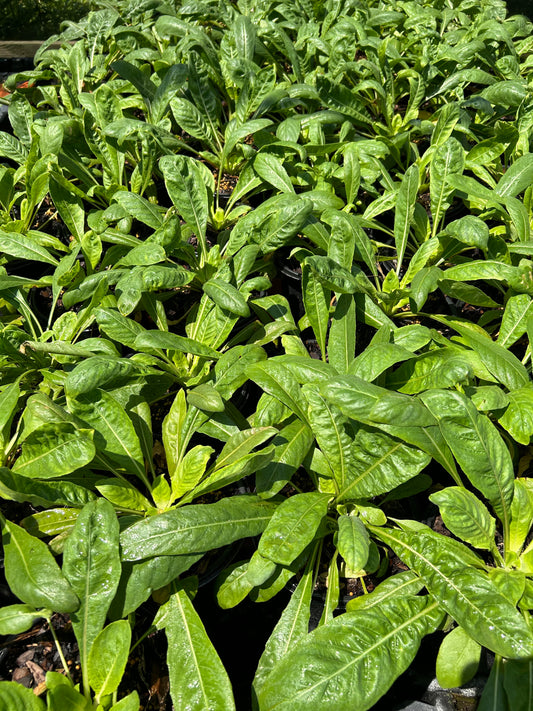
x,y
59,650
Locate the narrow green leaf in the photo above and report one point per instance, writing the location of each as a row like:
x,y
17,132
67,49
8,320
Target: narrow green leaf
x,y
458,659
198,679
226,296
54,450
91,563
293,526
353,659
405,205
196,528
32,572
466,593
466,516
108,657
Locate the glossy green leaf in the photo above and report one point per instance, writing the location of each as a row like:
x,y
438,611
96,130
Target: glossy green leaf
x,y
466,516
447,159
518,417
32,572
458,659
69,207
354,659
196,528
118,327
439,368
25,248
292,626
376,359
379,463
293,526
277,380
108,657
405,205
91,563
341,340
190,470
226,296
518,310
198,679
139,580
115,436
55,450
42,493
353,542
163,340
477,446
332,275
466,593
98,372
15,697
517,177
291,445
316,299
131,702
329,426
15,619
399,585
272,171
233,585
521,514
187,191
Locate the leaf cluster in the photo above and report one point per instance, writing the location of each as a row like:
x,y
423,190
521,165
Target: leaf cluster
x,y
195,200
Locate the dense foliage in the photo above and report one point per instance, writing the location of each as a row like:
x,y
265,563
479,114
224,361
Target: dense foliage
x,y
195,199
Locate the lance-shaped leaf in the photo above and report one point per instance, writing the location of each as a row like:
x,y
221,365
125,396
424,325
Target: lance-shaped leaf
x,y
293,625
341,341
293,526
42,493
108,658
477,446
518,310
351,661
227,297
196,528
91,563
316,299
466,593
15,697
188,192
405,206
197,677
15,619
399,585
277,380
24,248
55,449
517,177
272,170
32,572
115,436
466,516
501,363
138,580
380,463
163,340
329,427
353,542
458,659
447,159
291,446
